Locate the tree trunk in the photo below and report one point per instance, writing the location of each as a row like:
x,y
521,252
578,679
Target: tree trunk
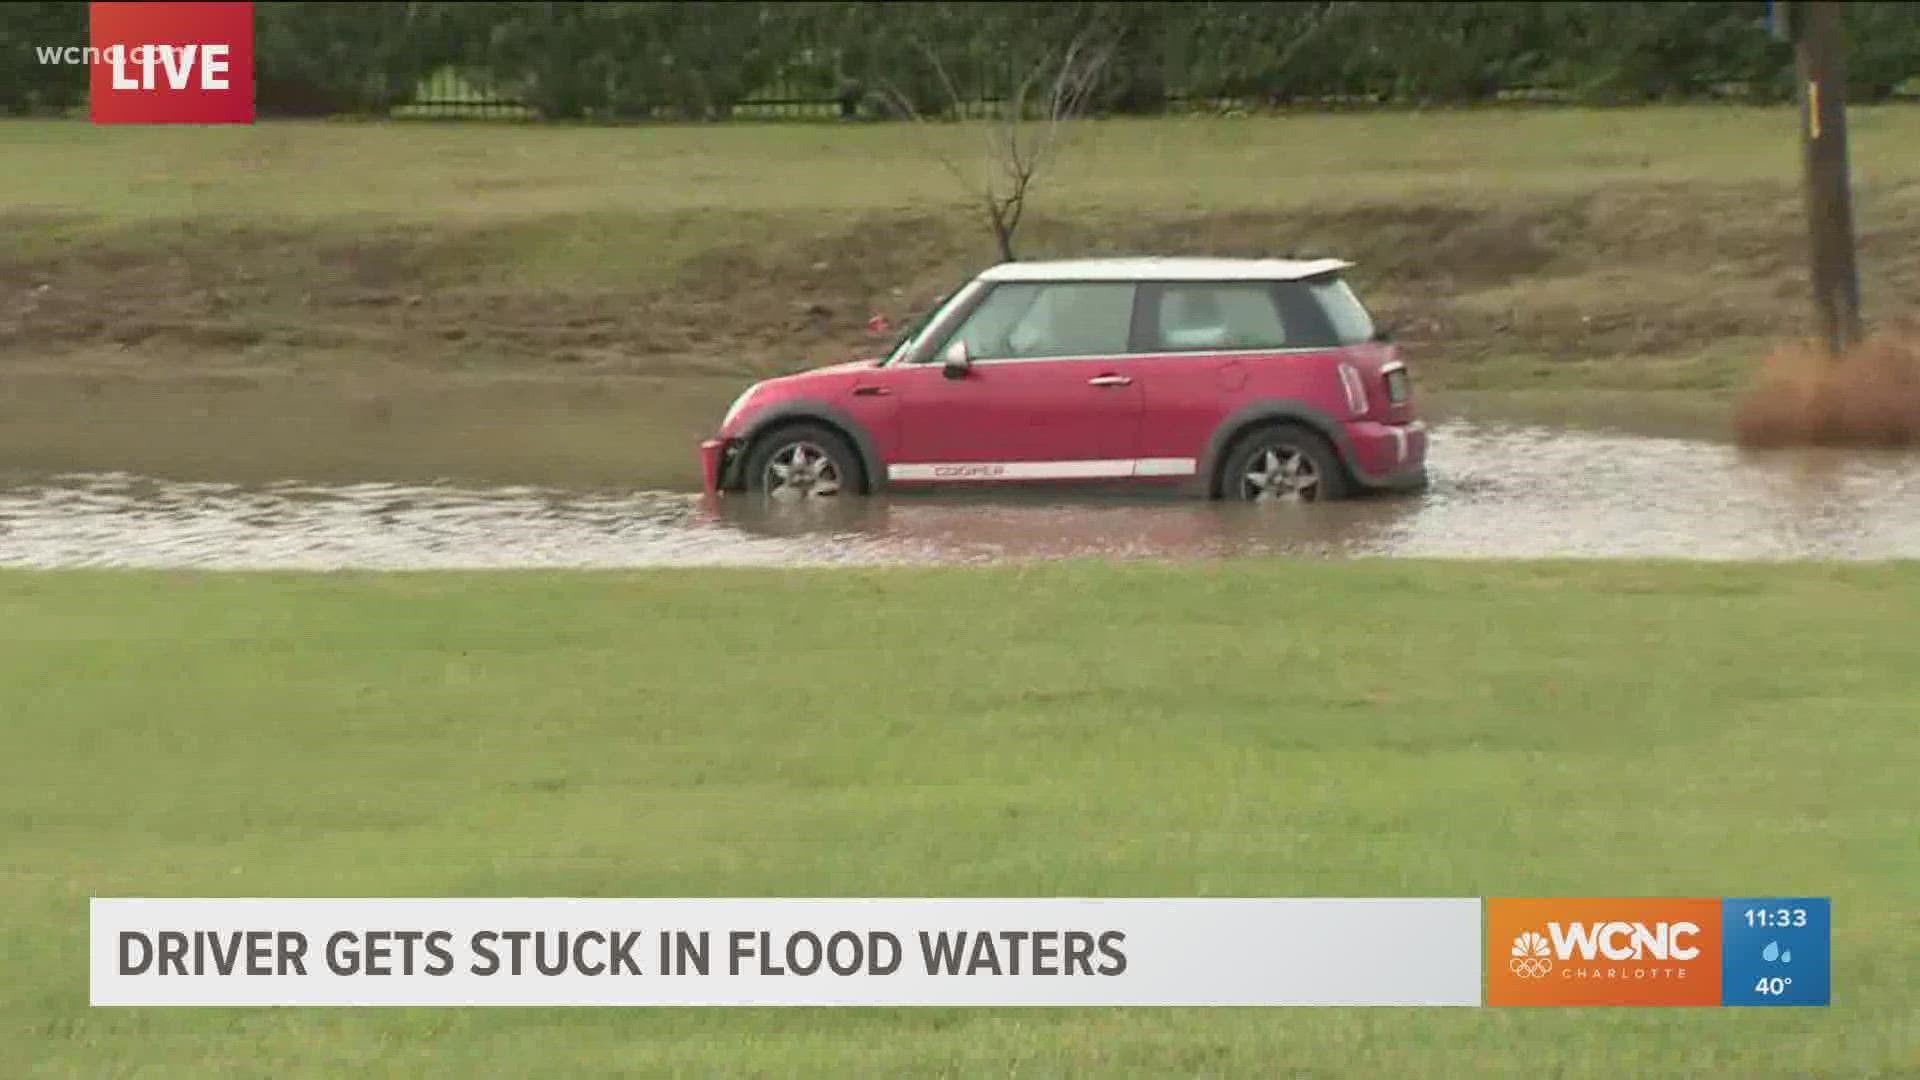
x,y
1002,231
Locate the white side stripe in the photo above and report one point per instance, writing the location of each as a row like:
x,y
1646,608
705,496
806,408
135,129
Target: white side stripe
x,y
1111,469
1165,466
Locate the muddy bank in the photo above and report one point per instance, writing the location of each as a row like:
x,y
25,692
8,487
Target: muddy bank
x,y
383,425
1498,492
1637,269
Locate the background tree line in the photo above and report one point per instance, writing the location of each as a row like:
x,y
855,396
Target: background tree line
x,y
702,60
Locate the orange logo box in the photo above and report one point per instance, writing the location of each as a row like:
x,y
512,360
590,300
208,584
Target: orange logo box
x,y
1599,951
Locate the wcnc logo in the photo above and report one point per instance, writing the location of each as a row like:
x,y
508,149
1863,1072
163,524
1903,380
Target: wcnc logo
x,y
171,63
1597,951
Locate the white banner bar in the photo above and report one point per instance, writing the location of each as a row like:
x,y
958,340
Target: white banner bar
x,y
965,952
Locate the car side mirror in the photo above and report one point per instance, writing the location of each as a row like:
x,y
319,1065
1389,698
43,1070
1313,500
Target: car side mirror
x,y
1385,334
954,363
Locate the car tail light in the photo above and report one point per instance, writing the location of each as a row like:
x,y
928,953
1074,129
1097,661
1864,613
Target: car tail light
x,y
1399,384
1356,391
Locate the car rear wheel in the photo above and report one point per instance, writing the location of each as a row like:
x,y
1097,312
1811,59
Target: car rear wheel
x,y
1283,463
803,462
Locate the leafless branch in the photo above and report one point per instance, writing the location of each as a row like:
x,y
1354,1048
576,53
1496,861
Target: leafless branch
x,y
904,103
1019,145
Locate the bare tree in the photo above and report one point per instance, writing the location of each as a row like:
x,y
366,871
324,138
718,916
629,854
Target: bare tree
x,y
1020,144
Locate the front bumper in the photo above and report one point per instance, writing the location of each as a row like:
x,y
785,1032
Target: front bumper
x,y
712,457
1388,456
720,464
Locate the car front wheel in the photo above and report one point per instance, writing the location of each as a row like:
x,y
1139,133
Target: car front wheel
x,y
1283,463
803,462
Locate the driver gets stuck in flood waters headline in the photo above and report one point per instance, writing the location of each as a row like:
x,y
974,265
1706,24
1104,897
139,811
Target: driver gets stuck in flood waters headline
x,y
619,952
981,952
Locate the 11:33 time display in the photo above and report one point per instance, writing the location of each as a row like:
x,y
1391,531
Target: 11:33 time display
x,y
1776,917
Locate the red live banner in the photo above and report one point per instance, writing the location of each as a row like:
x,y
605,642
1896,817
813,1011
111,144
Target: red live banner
x,y
186,63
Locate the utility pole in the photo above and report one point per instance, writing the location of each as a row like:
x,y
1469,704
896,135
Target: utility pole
x,y
1814,27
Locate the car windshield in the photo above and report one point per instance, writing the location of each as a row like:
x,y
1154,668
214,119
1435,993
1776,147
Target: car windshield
x,y
905,342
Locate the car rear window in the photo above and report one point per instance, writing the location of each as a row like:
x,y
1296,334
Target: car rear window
x,y
1231,316
1346,316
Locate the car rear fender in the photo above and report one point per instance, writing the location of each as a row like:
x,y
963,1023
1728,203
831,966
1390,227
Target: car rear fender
x,y
1275,411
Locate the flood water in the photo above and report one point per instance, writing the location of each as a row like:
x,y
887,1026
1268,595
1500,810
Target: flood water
x,y
1499,492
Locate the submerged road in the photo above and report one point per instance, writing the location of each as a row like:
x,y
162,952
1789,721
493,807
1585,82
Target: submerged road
x,y
1498,492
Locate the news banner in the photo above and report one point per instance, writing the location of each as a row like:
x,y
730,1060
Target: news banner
x,y
1730,951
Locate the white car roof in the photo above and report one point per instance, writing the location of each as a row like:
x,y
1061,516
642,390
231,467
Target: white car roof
x,y
1164,269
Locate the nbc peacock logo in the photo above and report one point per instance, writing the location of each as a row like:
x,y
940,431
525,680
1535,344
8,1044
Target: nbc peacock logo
x,y
1532,956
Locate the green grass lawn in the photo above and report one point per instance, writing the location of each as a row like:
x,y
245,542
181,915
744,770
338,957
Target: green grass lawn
x,y
427,172
1238,729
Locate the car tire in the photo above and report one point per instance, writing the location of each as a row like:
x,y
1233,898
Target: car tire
x,y
803,461
1283,463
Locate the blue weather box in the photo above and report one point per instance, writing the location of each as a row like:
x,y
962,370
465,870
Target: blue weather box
x,y
1776,950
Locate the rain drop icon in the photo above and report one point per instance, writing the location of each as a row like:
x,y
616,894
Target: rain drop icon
x,y
1773,952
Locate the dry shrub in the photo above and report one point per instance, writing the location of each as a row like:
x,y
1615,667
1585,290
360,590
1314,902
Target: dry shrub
x,y
1869,396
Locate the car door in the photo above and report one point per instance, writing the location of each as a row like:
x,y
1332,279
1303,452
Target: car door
x,y
1046,396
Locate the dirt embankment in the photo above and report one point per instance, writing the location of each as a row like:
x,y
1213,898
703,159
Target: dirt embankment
x,y
1652,270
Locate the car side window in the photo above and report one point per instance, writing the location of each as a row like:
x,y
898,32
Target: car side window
x,y
1032,320
1205,316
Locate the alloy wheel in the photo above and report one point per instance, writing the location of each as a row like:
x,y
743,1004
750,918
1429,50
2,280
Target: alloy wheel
x,y
801,470
1280,473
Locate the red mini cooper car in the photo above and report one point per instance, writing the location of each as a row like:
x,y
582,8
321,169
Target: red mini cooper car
x,y
1257,379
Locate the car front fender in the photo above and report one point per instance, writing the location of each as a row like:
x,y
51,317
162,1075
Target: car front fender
x,y
801,410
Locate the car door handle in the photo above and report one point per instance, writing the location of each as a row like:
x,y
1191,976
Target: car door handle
x,y
871,391
1109,380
